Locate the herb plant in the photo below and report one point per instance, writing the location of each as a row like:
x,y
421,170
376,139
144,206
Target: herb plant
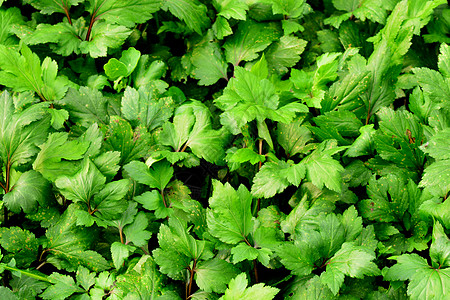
x,y
225,149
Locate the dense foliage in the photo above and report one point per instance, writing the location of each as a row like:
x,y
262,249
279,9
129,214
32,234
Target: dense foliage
x,y
225,149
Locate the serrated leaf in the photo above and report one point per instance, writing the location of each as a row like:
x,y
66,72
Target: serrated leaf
x,y
437,178
322,169
192,128
293,136
192,12
56,153
440,247
86,106
120,252
103,36
284,54
143,107
83,185
235,9
64,286
249,39
350,260
425,282
157,176
237,289
437,147
229,217
22,244
109,203
145,272
208,63
68,244
363,145
120,136
24,72
8,18
51,6
274,178
136,232
389,199
29,190
214,275
297,257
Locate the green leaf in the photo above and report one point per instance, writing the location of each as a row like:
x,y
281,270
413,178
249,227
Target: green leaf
x,y
237,289
298,257
143,107
115,68
349,260
120,252
425,281
68,244
146,273
103,36
363,145
308,287
157,176
322,169
29,190
274,178
440,247
83,185
109,203
229,217
235,9
192,12
22,245
437,178
249,39
54,159
293,136
221,28
7,294
136,232
214,275
284,54
153,201
178,248
8,18
127,13
191,128
85,278
132,144
86,106
208,63
51,6
436,146
249,97
389,199
64,286
24,72
372,10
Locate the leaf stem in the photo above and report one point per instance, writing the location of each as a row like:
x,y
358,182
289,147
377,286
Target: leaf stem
x,y
255,270
29,274
191,278
121,235
66,11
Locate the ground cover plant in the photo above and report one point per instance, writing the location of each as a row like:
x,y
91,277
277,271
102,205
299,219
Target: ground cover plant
x,y
225,149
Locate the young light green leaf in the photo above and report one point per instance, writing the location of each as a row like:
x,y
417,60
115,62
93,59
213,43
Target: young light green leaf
x,y
350,260
64,286
440,247
425,281
119,253
284,54
229,217
157,176
24,72
136,232
123,67
235,9
237,289
214,275
9,18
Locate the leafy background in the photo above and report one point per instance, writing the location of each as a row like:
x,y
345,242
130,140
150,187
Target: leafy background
x,y
226,149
